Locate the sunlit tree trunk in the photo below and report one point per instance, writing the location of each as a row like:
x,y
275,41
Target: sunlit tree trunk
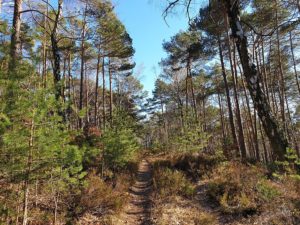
x,y
82,68
55,51
231,121
97,89
69,109
294,62
15,36
44,51
110,92
190,79
236,98
222,122
86,85
281,77
103,93
27,174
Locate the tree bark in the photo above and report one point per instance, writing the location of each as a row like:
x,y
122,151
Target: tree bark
x,y
103,92
44,55
231,121
27,175
55,52
281,80
190,78
96,89
236,98
82,67
110,92
294,62
69,109
86,86
222,122
15,36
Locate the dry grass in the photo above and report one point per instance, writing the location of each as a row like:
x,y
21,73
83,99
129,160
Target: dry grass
x,y
177,210
169,182
244,191
235,193
99,198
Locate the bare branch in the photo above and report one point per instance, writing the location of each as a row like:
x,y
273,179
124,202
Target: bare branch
x,y
169,7
35,10
290,22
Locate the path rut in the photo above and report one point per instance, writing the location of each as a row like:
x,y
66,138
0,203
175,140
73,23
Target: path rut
x,y
138,211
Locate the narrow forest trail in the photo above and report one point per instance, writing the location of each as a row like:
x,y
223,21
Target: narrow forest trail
x,y
138,210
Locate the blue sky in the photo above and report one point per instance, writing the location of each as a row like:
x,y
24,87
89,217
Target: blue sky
x,y
145,24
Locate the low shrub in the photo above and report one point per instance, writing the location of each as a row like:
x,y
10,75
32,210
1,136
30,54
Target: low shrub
x,y
168,182
196,165
240,188
99,198
267,190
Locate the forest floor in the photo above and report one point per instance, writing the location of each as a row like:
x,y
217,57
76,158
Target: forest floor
x,y
138,209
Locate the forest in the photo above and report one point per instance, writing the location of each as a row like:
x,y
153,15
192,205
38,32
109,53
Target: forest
x,y
216,142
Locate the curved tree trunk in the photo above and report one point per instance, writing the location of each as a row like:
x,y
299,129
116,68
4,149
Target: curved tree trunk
x,y
271,127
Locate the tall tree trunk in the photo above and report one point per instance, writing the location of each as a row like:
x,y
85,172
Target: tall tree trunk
x,y
103,92
281,80
294,62
222,122
27,174
186,94
82,67
272,129
252,133
44,44
97,88
231,121
15,36
190,78
69,109
110,92
236,98
86,86
64,79
264,70
264,143
55,51
272,79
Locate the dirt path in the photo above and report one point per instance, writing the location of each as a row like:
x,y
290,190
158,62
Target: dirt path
x,y
139,208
